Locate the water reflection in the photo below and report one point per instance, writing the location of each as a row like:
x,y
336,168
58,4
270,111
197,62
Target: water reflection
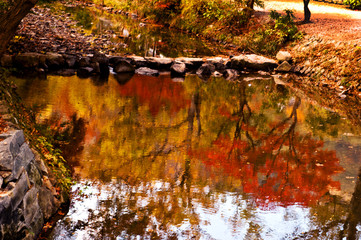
x,y
204,160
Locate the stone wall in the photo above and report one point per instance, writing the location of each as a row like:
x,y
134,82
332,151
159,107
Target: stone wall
x,y
27,196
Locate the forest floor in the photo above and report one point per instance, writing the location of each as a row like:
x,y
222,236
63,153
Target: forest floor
x,y
328,21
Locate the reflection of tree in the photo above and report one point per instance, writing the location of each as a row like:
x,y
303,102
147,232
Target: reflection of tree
x,y
277,165
354,217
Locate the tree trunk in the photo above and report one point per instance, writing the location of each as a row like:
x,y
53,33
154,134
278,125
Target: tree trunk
x,y
10,20
307,11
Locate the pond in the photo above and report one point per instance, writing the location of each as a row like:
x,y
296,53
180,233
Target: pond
x,y
155,158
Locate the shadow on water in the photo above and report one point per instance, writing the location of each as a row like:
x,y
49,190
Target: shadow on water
x,y
216,159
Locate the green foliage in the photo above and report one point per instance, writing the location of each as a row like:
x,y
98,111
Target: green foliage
x,y
354,4
200,16
268,39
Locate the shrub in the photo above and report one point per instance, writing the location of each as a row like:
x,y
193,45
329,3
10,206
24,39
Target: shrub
x,y
354,4
269,38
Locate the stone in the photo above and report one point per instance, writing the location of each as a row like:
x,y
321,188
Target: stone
x,y
219,63
84,62
159,63
6,61
30,205
27,60
254,62
123,67
54,60
191,63
178,69
115,59
103,62
147,71
84,72
9,148
35,176
138,62
96,67
284,56
46,202
284,67
70,61
206,70
18,193
21,162
230,74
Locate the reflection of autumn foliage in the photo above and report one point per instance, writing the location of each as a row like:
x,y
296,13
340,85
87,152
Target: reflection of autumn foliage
x,y
156,92
276,167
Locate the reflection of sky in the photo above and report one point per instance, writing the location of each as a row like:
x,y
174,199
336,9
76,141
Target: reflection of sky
x,y
222,221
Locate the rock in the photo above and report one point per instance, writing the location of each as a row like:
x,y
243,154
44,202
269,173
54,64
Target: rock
x,y
147,71
219,63
191,63
84,72
70,61
178,69
21,187
6,61
21,162
47,203
113,61
206,70
103,62
284,67
123,67
27,60
230,74
96,67
159,63
54,60
9,149
138,62
84,62
254,62
284,56
31,206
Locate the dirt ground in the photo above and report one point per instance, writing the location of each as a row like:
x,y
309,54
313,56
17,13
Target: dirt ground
x,y
329,21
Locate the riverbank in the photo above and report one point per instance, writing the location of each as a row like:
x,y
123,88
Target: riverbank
x,y
34,181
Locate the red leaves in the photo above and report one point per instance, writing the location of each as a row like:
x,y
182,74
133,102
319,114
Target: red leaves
x,y
3,125
279,170
157,93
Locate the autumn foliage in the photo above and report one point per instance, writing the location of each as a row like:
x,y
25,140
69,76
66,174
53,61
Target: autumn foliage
x,y
279,167
156,93
3,125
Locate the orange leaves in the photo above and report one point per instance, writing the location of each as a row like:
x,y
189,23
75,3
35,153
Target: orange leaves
x,y
3,125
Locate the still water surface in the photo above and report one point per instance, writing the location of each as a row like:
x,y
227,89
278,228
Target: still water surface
x,y
161,159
